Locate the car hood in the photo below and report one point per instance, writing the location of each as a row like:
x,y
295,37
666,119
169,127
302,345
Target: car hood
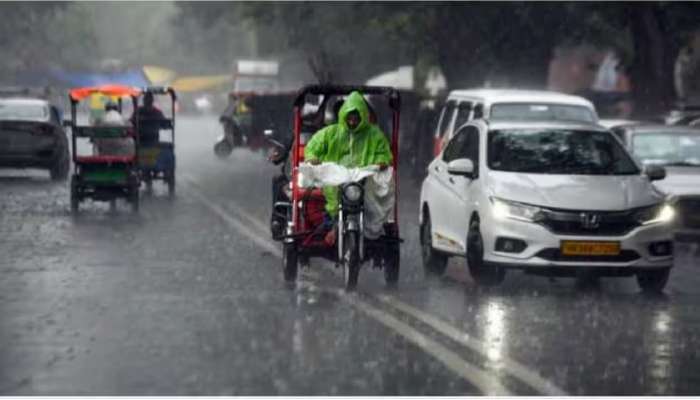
x,y
680,181
575,192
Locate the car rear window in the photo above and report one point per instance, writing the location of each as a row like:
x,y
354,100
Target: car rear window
x,y
541,112
23,112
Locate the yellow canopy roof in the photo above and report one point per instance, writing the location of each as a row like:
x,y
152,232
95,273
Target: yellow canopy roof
x,y
196,83
158,75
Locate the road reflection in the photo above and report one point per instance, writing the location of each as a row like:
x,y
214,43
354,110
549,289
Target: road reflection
x,y
494,330
661,355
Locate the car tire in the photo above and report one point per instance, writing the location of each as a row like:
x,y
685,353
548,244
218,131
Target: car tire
x,y
60,169
653,281
290,262
434,262
482,273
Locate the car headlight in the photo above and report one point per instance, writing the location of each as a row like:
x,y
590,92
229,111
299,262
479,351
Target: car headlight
x,y
352,192
657,214
503,209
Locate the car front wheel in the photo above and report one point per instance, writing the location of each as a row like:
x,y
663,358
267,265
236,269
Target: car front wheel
x,y
653,281
482,273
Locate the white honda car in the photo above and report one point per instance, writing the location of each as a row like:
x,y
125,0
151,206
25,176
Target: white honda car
x,y
552,198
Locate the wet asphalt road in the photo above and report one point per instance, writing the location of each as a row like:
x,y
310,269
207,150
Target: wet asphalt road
x,y
187,298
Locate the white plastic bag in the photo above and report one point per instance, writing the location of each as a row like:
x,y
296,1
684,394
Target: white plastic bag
x,y
379,189
331,174
379,202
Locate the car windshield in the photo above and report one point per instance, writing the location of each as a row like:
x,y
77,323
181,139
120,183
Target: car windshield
x,y
23,112
541,112
667,148
558,151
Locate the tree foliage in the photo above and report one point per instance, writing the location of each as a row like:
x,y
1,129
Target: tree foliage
x,y
37,35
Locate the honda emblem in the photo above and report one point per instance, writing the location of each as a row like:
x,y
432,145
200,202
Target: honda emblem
x,y
590,221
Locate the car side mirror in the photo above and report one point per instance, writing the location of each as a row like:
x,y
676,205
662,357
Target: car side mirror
x,y
461,167
655,172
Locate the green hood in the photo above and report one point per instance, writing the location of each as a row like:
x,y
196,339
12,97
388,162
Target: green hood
x,y
335,143
354,102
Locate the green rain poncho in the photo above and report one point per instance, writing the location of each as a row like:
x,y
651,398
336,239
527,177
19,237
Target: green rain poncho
x,y
366,145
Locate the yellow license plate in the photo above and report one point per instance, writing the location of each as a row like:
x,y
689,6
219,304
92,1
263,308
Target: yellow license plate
x,y
573,248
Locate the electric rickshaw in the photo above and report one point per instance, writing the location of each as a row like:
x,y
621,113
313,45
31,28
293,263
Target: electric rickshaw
x,y
248,115
298,212
157,157
104,176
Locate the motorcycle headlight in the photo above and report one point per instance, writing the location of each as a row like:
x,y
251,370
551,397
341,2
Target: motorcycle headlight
x,y
657,214
352,192
503,209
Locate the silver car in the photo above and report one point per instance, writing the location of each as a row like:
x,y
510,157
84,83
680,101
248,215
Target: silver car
x,y
32,136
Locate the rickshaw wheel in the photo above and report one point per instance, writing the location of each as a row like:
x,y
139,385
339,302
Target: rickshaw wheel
x,y
171,186
134,200
290,263
74,201
392,264
149,183
351,260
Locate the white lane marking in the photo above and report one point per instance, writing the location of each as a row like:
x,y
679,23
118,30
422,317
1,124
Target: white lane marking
x,y
485,382
513,368
472,374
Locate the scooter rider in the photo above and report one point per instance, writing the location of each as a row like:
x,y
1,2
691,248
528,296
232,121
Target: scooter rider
x,y
351,142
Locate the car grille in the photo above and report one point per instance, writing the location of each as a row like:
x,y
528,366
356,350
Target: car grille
x,y
553,254
609,223
689,212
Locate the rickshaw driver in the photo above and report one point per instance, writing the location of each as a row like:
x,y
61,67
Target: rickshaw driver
x,y
351,142
149,115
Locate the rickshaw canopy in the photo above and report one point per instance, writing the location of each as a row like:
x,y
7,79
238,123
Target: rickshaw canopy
x,y
79,94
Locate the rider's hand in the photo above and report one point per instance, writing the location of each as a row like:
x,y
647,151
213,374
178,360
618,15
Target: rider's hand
x,y
274,155
314,161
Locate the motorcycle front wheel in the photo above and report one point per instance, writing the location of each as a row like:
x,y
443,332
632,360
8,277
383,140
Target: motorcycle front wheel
x,y
351,260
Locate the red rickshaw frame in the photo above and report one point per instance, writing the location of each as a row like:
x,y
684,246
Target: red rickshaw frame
x,y
394,100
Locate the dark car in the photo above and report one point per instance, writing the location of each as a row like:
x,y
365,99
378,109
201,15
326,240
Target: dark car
x,y
32,136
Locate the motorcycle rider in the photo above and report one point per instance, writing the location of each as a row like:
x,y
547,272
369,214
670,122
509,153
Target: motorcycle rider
x,y
351,142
